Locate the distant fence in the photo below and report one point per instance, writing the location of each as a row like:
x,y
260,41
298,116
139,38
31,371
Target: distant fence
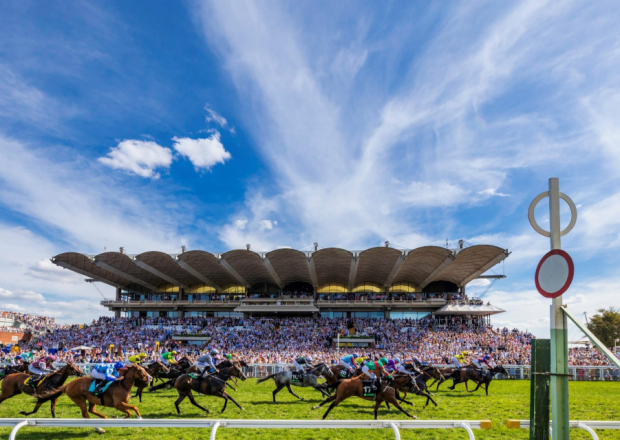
x,y
586,373
394,425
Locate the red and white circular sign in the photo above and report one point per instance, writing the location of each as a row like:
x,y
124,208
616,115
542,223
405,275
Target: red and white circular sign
x,y
554,273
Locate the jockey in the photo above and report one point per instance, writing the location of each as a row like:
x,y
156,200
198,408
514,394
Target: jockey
x,y
228,356
168,358
300,362
27,357
135,359
107,372
458,358
205,362
360,361
407,368
42,366
390,366
349,362
482,360
371,369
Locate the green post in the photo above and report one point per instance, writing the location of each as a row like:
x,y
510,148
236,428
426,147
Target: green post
x,y
539,389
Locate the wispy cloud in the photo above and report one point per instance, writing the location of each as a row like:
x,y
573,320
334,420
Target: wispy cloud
x,y
213,116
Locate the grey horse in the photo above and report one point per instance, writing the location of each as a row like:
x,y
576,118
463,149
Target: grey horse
x,y
307,379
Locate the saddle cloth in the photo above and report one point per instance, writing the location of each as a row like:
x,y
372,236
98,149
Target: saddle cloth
x,y
96,386
297,377
345,374
35,381
369,389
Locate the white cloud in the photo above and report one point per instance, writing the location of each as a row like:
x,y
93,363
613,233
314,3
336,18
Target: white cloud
x,y
20,295
493,192
266,225
142,158
213,116
46,270
203,153
241,223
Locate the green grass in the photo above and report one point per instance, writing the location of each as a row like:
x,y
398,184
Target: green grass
x,y
507,399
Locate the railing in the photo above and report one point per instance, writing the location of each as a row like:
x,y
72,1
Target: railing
x,y
373,303
169,303
585,373
586,425
214,425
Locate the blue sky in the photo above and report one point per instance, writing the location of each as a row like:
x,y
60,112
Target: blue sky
x,y
151,125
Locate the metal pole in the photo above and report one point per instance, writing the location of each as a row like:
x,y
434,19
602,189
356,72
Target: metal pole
x,y
559,333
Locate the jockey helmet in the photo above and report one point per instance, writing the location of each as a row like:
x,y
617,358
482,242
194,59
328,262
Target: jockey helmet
x,y
18,357
355,355
119,365
308,359
397,360
142,355
214,351
173,352
487,357
383,361
228,356
50,358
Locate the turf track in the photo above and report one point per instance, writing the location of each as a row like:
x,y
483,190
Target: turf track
x,y
508,399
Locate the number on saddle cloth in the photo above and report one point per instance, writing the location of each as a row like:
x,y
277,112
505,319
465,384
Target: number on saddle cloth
x,y
370,389
345,374
99,386
297,377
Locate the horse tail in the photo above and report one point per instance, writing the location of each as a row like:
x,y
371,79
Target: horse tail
x,y
50,395
161,386
263,379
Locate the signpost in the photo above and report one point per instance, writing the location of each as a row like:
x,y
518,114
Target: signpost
x,y
556,278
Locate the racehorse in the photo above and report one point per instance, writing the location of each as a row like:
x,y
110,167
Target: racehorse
x,y
308,379
211,385
12,369
355,388
152,370
14,384
408,384
478,375
116,396
175,371
224,364
446,373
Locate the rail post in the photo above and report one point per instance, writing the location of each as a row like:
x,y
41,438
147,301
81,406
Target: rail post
x,y
539,389
16,428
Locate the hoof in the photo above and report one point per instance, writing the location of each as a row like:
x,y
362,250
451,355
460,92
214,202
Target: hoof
x,y
242,409
414,417
139,417
99,431
301,398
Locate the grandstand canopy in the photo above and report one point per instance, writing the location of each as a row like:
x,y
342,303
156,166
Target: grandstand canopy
x,y
236,270
469,310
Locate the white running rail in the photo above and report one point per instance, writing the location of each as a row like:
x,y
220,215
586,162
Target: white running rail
x,y
215,424
586,425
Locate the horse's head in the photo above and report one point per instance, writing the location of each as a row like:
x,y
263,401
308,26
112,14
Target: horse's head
x,y
412,386
72,370
324,370
500,369
238,372
434,373
138,373
243,363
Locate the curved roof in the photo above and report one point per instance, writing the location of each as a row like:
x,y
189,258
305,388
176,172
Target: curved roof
x,y
291,265
380,265
374,265
333,265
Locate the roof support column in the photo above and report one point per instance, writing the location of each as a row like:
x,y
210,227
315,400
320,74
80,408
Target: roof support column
x,y
273,272
234,273
353,271
120,273
437,271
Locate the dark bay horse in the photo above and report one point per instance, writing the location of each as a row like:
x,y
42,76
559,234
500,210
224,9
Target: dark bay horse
x,y
211,385
355,388
12,369
116,396
480,376
14,384
308,379
152,370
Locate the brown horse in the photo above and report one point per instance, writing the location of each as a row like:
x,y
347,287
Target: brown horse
x,y
212,385
408,384
355,388
446,373
116,396
14,384
12,369
152,370
480,376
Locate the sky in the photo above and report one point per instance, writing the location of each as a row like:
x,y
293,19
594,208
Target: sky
x,y
152,125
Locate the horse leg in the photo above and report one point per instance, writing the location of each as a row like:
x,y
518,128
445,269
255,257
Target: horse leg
x,y
329,399
479,383
232,400
332,406
402,410
81,402
231,387
319,389
225,400
486,388
377,405
92,408
290,390
36,408
53,407
178,402
125,407
276,391
193,401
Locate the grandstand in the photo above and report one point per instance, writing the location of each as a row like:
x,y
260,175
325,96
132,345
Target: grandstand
x,y
380,282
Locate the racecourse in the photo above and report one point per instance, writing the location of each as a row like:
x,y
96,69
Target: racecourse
x,y
507,399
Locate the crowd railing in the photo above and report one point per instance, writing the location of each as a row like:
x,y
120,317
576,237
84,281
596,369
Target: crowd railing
x,y
577,373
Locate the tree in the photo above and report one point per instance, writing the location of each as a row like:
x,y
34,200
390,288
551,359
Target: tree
x,y
606,326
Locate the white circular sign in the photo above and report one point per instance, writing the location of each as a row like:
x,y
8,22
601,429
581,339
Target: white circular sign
x,y
554,273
